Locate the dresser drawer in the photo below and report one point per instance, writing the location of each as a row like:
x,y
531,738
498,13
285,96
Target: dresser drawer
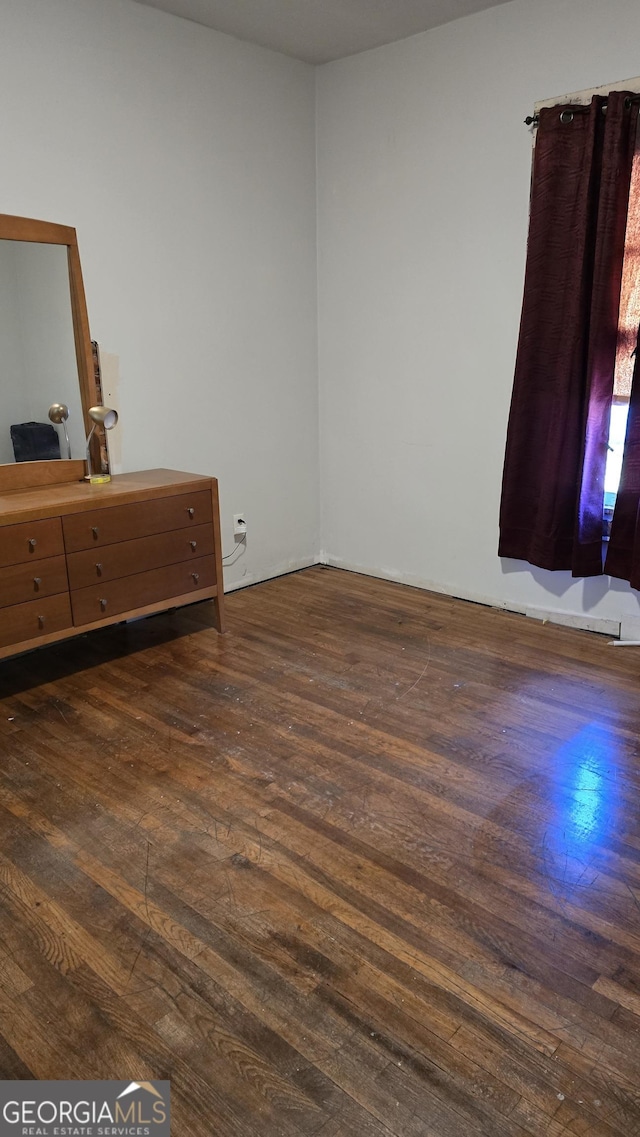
x,y
100,601
128,557
100,527
37,618
19,583
30,541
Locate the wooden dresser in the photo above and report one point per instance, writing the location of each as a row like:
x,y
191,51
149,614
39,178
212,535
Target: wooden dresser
x,y
74,556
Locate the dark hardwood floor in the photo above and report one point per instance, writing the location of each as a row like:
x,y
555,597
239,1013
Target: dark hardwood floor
x,y
367,865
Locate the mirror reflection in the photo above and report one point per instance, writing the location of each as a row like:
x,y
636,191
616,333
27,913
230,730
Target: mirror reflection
x,y
38,366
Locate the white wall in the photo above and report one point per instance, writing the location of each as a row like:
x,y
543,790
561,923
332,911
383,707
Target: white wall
x,y
186,162
423,183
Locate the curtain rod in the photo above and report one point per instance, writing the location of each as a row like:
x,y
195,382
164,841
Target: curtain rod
x,y
533,120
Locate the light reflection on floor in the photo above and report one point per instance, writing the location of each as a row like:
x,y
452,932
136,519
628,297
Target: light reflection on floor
x,y
587,787
584,815
570,820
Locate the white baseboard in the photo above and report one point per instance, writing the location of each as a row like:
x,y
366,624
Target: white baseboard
x,y
630,628
584,621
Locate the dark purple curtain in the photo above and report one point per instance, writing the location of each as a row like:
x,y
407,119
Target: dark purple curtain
x,y
553,484
623,554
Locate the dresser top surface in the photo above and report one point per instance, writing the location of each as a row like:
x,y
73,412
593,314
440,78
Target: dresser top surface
x,y
76,497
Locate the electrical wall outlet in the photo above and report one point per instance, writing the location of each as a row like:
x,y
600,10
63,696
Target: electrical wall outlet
x,y
240,525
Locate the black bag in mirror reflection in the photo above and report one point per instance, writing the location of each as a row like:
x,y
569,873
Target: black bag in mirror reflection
x,y
34,442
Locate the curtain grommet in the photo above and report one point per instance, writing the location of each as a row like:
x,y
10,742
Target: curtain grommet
x,y
566,117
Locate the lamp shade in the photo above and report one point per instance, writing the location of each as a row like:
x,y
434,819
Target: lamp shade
x,y
104,415
58,413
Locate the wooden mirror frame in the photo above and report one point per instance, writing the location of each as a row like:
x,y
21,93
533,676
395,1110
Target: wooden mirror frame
x,y
28,475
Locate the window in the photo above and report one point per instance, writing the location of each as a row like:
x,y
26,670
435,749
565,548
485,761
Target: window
x,y
617,428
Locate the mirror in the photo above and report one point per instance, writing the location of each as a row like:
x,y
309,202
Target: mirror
x,y
45,350
37,353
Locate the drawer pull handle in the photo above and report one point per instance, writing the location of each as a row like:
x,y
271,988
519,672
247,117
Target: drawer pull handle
x,y
94,530
194,545
196,577
191,511
103,605
37,581
32,544
99,569
41,622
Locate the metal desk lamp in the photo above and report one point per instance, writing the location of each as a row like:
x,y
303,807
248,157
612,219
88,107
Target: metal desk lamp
x,y
101,416
58,414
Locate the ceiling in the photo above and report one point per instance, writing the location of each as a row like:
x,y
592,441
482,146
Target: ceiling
x,y
318,31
